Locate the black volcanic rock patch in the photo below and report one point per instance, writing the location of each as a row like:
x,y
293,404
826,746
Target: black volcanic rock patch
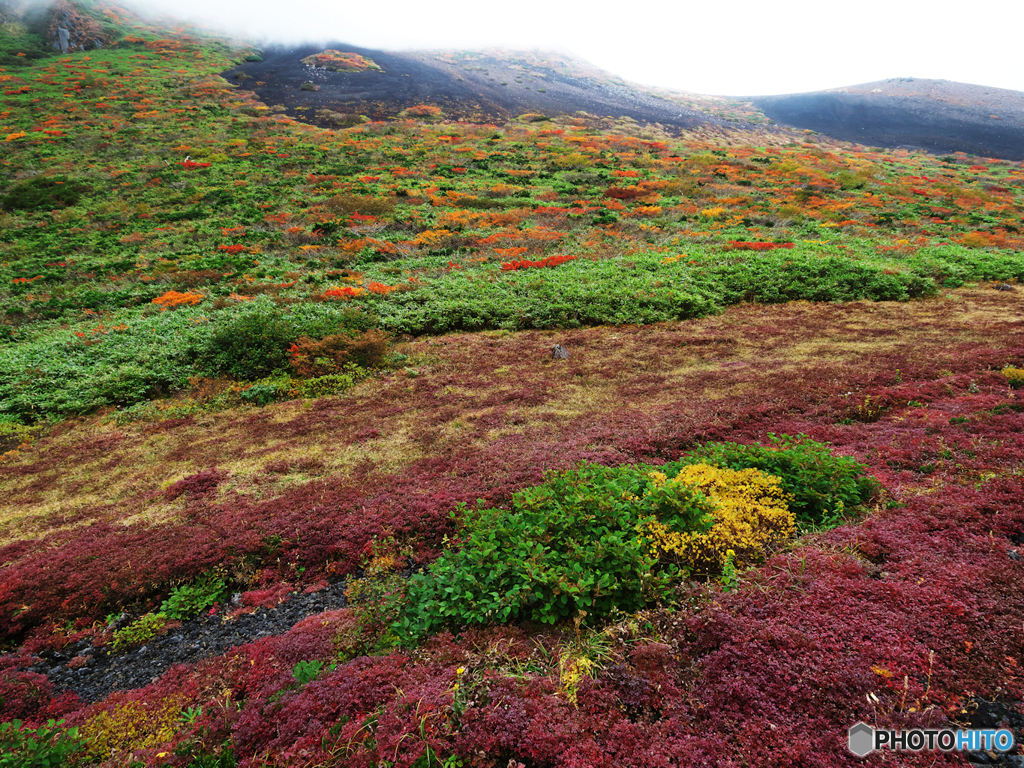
x,y
484,88
934,115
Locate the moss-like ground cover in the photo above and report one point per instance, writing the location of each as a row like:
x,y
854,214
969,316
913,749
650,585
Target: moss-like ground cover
x,y
240,349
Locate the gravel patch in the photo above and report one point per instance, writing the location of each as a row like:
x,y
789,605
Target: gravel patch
x,y
202,637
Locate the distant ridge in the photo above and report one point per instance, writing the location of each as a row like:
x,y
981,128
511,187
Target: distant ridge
x,y
494,85
938,116
479,86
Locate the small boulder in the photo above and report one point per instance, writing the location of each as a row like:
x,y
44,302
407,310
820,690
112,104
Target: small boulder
x,y
558,352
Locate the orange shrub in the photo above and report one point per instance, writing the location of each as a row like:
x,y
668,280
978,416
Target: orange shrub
x,y
345,292
310,358
174,299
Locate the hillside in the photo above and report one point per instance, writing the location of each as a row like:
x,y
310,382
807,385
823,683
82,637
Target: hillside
x,y
473,86
937,116
495,85
569,437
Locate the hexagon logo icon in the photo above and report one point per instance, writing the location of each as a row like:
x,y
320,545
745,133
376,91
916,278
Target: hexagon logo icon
x,y
861,739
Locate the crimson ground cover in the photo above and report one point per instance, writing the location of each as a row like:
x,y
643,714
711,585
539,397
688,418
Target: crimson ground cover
x,y
915,606
128,473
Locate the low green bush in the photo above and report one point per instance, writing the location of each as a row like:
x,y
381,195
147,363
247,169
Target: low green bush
x,y
775,278
251,345
307,671
600,538
188,600
280,386
568,547
49,746
43,193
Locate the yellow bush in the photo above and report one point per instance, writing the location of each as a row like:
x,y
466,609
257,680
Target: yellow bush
x,y
1014,376
751,514
132,725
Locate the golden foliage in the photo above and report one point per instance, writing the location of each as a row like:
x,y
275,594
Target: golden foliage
x,y
132,725
751,516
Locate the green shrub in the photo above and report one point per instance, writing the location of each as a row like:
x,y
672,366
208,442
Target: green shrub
x,y
341,320
251,345
188,600
821,484
43,193
376,602
773,278
280,387
48,746
568,546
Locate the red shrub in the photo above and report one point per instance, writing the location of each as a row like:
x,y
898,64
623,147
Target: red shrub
x,y
197,486
548,261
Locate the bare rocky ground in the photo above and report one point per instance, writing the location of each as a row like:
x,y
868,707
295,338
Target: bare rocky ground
x,y
209,634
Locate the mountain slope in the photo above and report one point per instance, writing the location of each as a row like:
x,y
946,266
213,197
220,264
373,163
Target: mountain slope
x,y
935,115
480,86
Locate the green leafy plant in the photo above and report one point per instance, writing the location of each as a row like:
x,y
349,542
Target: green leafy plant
x,y
48,746
306,671
187,600
252,345
729,576
377,601
566,546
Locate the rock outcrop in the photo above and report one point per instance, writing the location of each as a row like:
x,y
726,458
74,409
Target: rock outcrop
x,y
71,30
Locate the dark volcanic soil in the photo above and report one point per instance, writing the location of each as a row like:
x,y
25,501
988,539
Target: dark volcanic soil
x,y
480,88
934,115
202,637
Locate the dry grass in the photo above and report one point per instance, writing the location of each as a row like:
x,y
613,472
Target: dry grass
x,y
473,389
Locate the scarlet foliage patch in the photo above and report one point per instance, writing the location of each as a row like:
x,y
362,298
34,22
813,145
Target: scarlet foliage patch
x,y
29,696
345,292
737,245
548,261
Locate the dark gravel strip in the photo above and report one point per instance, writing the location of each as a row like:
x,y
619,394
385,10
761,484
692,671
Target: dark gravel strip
x,y
193,641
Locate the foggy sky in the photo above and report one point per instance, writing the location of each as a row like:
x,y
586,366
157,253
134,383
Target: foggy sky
x,y
726,48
